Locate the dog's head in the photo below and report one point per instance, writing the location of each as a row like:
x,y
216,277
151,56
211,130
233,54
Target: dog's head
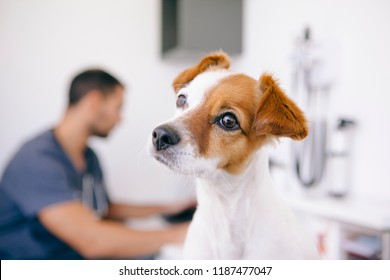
x,y
222,118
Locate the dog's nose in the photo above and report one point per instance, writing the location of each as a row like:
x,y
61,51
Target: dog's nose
x,y
164,136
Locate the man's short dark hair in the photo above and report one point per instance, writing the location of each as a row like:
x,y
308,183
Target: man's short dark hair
x,y
93,79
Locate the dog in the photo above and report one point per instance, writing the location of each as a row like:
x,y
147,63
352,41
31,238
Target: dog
x,y
223,122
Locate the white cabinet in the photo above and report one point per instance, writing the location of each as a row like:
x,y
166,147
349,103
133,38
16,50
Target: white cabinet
x,y
346,228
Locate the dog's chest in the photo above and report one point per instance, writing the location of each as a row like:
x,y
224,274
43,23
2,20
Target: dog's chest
x,y
229,231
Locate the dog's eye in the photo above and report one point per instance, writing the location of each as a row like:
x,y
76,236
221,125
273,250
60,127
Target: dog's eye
x,y
181,100
229,121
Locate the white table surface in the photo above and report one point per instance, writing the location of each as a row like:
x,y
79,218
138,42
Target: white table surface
x,y
360,212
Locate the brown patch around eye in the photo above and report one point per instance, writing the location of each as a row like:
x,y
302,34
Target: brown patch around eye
x,y
237,94
200,125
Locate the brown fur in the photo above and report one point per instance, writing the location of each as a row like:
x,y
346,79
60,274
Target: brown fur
x,y
278,115
216,60
262,109
240,95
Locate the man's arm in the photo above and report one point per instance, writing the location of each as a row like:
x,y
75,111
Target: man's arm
x,y
125,211
93,238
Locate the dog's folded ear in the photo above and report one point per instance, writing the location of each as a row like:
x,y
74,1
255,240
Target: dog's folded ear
x,y
215,60
278,115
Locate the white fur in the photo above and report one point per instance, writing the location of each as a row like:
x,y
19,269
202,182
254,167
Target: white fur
x,y
241,217
184,157
238,217
201,84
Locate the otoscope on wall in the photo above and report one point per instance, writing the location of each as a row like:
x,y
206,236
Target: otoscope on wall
x,y
312,95
315,72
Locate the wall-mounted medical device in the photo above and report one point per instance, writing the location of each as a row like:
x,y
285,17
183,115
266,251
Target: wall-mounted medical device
x,y
316,70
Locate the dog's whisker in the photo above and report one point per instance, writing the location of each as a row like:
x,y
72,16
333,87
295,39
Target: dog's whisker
x,y
141,155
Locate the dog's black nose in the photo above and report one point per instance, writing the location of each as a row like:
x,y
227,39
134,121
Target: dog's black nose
x,y
164,136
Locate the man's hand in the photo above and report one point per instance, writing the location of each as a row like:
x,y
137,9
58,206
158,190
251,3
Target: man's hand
x,y
93,238
177,208
124,211
179,232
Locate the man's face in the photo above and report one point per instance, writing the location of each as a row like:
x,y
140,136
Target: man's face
x,y
108,113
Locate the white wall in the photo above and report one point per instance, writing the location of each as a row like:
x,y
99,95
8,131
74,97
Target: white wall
x,y
363,92
43,43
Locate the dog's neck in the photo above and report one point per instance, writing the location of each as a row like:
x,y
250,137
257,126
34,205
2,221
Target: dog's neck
x,y
230,187
230,200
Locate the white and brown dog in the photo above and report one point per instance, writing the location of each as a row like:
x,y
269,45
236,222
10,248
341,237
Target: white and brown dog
x,y
223,121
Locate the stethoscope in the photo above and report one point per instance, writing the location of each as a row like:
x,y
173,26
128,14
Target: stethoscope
x,y
93,195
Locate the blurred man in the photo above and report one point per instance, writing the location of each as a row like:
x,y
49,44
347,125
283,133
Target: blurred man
x,y
53,201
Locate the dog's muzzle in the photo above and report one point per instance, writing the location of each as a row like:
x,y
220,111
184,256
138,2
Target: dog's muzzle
x,y
164,137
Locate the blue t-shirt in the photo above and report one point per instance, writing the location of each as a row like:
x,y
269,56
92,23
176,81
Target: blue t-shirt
x,y
39,175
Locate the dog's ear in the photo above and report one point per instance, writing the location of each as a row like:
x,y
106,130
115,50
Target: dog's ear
x,y
216,60
277,114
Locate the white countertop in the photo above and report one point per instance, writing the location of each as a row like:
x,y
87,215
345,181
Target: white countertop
x,y
361,212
